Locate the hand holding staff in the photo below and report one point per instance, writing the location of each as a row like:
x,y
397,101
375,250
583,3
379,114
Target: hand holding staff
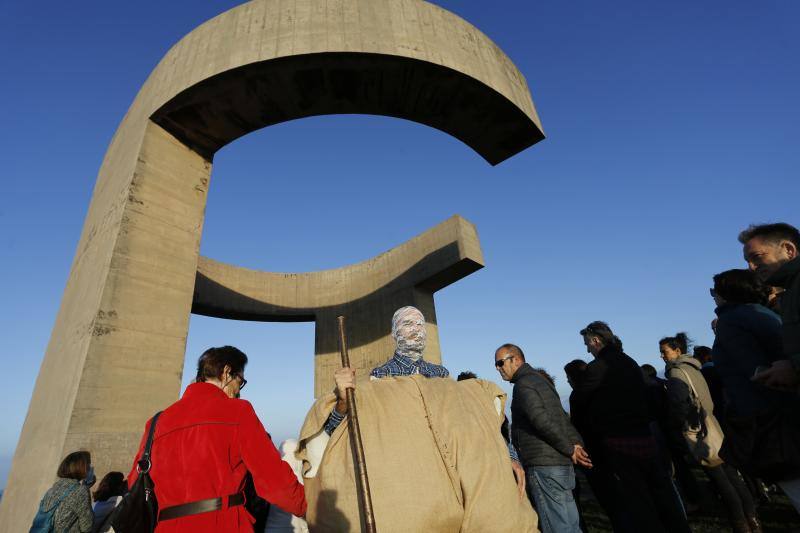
x,y
362,481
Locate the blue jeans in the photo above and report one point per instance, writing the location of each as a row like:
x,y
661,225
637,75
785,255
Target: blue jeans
x,y
550,491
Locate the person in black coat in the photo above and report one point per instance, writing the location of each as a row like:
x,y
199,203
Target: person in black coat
x,y
612,400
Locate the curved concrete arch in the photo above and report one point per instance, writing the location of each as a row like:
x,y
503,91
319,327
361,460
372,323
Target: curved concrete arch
x,y
266,62
430,261
116,352
367,293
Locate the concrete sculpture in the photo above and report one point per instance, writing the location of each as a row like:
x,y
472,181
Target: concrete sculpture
x,y
116,352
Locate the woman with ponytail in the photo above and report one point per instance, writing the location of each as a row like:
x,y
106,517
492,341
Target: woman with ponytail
x,y
690,407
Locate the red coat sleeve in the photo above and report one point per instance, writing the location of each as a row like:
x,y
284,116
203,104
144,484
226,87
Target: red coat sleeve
x,y
273,478
134,474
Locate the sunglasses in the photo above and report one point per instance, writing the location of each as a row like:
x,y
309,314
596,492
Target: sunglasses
x,y
501,362
244,382
712,292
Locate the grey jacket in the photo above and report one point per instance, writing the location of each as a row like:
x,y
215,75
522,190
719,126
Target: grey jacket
x,y
74,514
541,430
682,414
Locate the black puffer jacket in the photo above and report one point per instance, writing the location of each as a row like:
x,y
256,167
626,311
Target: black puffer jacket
x,y
541,430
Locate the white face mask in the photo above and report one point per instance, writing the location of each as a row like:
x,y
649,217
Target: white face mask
x,y
408,330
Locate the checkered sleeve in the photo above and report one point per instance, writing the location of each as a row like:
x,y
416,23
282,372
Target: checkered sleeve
x,y
512,452
333,422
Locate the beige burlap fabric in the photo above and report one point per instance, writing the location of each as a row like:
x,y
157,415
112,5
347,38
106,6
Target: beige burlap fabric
x,y
435,458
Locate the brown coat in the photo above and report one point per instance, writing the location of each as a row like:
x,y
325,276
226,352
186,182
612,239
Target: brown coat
x,y
435,458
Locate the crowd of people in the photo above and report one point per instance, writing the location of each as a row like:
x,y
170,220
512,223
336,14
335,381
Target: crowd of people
x,y
730,410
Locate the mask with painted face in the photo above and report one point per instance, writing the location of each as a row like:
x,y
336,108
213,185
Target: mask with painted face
x,y
408,331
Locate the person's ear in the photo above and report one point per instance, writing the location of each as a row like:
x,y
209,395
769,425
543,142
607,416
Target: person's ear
x,y
226,370
791,249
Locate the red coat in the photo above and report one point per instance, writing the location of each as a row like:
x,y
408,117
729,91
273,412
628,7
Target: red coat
x,y
204,445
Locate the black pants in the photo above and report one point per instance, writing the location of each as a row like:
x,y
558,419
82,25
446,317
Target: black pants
x,y
605,490
734,493
650,499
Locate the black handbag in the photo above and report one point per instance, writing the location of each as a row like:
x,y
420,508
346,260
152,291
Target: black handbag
x,y
138,510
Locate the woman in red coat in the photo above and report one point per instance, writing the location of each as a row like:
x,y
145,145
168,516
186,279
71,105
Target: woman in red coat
x,y
204,445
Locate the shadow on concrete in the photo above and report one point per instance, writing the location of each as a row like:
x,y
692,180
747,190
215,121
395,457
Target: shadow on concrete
x,y
222,108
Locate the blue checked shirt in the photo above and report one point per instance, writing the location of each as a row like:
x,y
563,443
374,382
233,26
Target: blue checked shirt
x,y
398,365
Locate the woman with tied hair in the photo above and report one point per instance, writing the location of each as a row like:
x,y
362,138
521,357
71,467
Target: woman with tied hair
x,y
70,494
748,337
687,391
749,340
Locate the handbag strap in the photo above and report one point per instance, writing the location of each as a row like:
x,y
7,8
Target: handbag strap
x,y
698,404
145,464
691,384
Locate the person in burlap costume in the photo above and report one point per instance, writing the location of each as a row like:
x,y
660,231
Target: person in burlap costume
x,y
435,457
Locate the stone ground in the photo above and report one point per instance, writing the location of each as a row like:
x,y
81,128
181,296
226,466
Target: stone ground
x,y
777,515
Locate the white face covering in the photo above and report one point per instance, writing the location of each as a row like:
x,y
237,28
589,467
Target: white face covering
x,y
408,330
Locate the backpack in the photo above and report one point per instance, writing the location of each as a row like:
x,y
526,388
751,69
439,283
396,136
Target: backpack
x,y
45,520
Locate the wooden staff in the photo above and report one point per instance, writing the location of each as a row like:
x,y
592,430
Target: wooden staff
x,y
362,481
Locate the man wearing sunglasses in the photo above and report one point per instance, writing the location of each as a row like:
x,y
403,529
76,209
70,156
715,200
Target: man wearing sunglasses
x,y
546,441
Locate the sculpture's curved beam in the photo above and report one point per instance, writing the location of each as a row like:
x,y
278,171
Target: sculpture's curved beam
x,y
265,62
440,256
222,108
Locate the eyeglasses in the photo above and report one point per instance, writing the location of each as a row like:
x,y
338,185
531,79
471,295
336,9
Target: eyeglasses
x,y
244,382
501,362
712,292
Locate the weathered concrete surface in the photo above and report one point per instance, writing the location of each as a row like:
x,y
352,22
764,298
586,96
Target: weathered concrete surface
x,y
367,293
117,348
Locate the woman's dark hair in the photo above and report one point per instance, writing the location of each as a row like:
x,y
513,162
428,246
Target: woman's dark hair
x,y
542,372
112,484
466,375
574,369
212,363
702,353
648,371
602,331
740,286
75,465
680,341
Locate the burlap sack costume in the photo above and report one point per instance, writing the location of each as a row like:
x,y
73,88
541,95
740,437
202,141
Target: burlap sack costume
x,y
435,458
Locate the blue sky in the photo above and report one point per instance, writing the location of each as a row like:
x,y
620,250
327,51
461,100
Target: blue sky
x,y
671,126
